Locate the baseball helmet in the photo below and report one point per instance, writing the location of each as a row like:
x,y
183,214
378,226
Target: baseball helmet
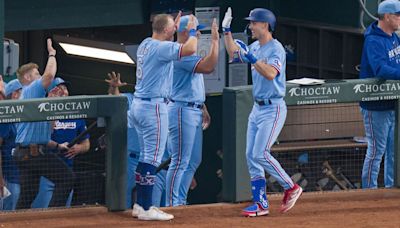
x,y
262,15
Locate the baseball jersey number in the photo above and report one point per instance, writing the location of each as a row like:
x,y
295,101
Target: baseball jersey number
x,y
143,50
139,70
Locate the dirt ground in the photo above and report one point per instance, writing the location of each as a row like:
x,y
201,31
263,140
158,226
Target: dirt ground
x,y
372,208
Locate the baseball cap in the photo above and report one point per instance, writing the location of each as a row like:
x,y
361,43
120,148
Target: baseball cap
x,y
12,86
184,22
389,6
57,81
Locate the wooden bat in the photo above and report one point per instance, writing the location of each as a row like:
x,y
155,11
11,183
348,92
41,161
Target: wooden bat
x,y
329,172
82,134
341,174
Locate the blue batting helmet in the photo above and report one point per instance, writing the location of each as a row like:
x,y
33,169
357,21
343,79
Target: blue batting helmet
x,y
262,15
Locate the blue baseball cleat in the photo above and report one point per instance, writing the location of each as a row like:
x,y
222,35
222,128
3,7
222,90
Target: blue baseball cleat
x,y
255,210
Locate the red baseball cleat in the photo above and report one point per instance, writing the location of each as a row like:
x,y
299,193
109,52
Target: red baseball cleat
x,y
290,198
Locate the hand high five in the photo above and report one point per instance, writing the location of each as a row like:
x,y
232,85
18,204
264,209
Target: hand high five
x,y
226,23
214,30
191,23
50,49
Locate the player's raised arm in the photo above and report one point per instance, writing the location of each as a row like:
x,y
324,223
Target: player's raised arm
x,y
230,45
207,65
51,67
190,46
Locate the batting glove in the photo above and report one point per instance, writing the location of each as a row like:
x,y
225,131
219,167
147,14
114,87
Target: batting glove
x,y
226,23
250,57
239,55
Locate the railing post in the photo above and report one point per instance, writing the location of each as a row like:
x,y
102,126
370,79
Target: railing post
x,y
396,147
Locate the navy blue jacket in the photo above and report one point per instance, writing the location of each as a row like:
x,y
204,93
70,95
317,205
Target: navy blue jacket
x,y
380,59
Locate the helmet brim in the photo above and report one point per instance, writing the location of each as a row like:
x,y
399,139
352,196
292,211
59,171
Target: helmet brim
x,y
250,18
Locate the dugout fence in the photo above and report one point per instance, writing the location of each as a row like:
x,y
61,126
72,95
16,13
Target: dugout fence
x,y
321,145
100,173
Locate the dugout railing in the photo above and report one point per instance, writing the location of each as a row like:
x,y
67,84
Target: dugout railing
x,y
111,114
324,117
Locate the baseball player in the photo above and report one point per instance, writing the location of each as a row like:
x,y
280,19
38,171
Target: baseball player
x,y
380,59
9,174
268,62
64,132
155,58
186,111
33,140
133,151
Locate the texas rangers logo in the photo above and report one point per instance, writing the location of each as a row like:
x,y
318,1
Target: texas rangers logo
x,y
278,63
64,125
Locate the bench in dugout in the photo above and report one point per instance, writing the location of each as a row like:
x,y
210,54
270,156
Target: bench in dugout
x,y
319,143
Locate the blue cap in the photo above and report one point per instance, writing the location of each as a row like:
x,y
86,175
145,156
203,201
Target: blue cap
x,y
184,22
12,86
389,6
57,81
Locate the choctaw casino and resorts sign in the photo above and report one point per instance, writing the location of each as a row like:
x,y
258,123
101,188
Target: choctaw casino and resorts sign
x,y
80,107
343,91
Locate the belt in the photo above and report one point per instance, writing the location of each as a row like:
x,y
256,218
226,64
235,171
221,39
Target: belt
x,y
31,146
263,102
268,101
32,150
189,104
155,99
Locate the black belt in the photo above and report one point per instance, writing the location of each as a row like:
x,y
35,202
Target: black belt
x,y
190,104
31,146
263,102
25,152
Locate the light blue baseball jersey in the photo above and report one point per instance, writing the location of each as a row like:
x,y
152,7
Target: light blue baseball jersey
x,y
154,67
188,86
33,132
273,54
